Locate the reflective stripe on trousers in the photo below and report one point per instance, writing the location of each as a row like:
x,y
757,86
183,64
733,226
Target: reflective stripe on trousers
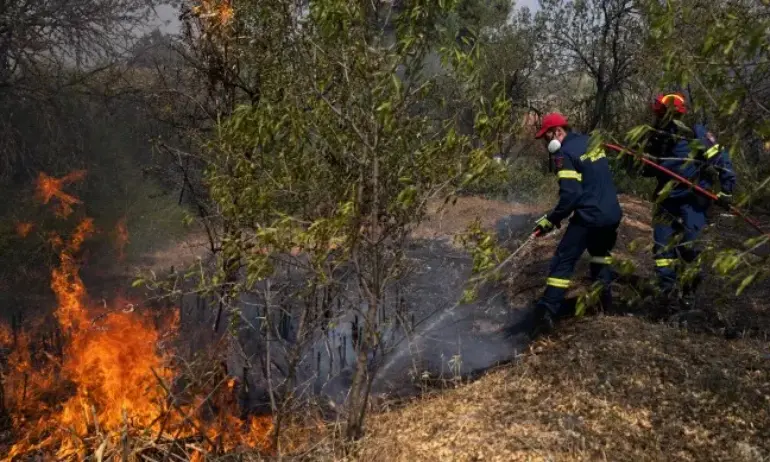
x,y
576,240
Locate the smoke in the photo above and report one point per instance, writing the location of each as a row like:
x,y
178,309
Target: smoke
x,y
510,227
454,339
425,331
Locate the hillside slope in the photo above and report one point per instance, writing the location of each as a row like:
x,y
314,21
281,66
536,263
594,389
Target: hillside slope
x,y
606,387
601,389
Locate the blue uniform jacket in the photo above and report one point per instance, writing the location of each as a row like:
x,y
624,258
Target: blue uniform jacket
x,y
690,155
586,186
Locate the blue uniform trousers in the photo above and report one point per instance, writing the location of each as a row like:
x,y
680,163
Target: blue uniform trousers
x,y
599,241
677,226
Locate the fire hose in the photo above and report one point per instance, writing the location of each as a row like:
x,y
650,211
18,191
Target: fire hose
x,y
732,209
713,197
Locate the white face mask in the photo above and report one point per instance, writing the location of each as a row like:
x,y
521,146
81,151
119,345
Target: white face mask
x,y
554,146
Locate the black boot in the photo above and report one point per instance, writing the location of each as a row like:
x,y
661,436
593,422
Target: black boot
x,y
687,302
542,322
606,300
688,299
665,304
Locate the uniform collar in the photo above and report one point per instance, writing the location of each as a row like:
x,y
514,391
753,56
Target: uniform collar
x,y
569,136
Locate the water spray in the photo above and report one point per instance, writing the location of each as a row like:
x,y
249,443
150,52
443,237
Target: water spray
x,y
450,310
510,258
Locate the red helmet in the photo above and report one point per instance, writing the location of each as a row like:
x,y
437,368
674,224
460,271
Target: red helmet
x,y
550,121
665,100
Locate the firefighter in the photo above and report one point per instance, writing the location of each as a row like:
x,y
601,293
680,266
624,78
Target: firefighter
x,y
587,192
679,214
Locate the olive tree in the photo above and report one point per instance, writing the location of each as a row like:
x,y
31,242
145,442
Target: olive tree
x,y
593,49
332,167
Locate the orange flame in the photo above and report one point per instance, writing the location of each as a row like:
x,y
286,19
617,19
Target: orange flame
x,y
66,283
119,378
221,12
49,187
23,229
225,10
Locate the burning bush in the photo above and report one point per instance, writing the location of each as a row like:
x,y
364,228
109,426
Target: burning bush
x,y
100,385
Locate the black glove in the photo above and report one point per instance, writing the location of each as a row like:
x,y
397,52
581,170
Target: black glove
x,y
724,200
543,226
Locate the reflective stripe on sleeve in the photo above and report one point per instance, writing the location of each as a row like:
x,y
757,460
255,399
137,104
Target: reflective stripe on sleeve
x,y
663,262
593,157
712,151
570,175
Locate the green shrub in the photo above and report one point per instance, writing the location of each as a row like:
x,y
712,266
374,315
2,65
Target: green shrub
x,y
524,180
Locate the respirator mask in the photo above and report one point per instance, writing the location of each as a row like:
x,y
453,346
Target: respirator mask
x,y
553,146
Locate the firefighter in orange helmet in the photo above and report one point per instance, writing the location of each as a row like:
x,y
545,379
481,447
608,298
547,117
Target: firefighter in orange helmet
x,y
680,213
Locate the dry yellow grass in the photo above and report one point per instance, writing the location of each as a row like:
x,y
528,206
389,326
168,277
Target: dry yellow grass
x,y
603,389
446,221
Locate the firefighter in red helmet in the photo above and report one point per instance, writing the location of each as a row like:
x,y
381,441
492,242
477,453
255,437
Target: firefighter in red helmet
x,y
587,194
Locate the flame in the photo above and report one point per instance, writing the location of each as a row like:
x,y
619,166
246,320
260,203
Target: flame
x,y
225,10
220,12
115,367
65,280
111,381
23,229
49,187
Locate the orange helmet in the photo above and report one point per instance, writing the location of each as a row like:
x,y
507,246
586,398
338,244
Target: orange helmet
x,y
665,100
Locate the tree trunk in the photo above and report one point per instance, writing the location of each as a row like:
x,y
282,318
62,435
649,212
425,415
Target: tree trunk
x,y
359,390
372,288
600,108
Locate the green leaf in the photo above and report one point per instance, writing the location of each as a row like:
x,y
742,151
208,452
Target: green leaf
x,y
729,47
397,85
745,283
580,307
469,295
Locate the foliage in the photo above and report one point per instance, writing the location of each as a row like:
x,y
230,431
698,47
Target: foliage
x,y
594,48
724,73
486,253
524,179
308,137
336,162
48,47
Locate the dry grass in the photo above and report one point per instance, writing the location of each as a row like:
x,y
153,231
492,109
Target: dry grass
x,y
179,254
603,389
447,221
